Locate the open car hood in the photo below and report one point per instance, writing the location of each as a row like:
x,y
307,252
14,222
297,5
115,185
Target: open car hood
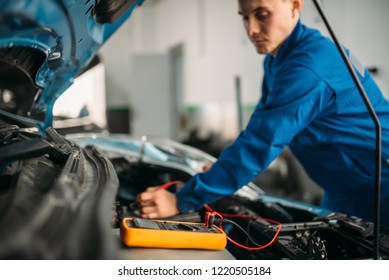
x,y
45,44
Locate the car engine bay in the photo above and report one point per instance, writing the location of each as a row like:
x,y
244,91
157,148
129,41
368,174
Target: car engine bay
x,y
62,196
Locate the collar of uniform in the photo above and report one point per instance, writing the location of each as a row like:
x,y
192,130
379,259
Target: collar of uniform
x,y
289,43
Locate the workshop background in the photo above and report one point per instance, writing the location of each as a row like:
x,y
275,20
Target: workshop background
x,y
185,70
175,63
180,69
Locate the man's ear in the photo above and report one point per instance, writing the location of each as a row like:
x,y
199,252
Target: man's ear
x,y
297,5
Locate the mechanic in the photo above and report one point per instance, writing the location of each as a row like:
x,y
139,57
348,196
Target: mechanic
x,y
310,103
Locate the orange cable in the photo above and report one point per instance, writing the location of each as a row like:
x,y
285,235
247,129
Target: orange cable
x,y
169,184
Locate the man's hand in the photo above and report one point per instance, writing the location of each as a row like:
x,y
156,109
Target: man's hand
x,y
157,203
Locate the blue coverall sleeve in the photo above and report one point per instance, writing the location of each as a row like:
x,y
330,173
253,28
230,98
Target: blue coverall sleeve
x,y
294,100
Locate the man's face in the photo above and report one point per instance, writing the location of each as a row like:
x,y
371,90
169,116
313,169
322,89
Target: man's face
x,y
268,22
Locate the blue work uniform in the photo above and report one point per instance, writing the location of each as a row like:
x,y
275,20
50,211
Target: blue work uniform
x,y
310,103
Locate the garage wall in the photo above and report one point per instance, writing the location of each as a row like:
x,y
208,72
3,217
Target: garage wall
x,y
217,50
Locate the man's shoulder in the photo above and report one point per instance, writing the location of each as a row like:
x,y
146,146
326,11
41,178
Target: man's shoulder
x,y
313,51
312,43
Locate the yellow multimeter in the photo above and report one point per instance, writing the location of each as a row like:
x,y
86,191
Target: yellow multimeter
x,y
137,232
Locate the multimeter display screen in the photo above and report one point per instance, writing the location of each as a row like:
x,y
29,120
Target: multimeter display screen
x,y
143,223
149,224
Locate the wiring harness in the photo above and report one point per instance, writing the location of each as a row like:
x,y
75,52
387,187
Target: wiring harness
x,y
212,214
210,218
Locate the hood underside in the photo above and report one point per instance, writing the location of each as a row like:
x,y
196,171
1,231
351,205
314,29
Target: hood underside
x,y
45,44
